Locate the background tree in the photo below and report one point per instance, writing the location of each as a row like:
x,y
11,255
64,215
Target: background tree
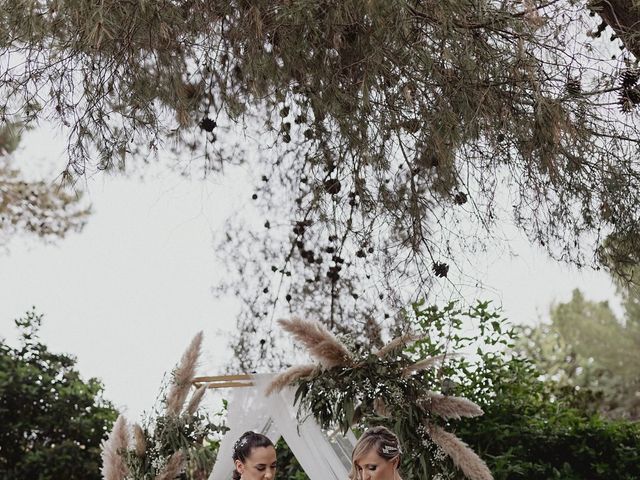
x,y
534,428
586,346
391,133
52,420
622,16
34,207
621,257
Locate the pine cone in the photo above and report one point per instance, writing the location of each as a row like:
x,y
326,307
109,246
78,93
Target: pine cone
x,y
207,124
332,186
460,198
629,98
630,78
573,87
440,269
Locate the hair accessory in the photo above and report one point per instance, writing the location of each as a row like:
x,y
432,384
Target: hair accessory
x,y
241,442
389,449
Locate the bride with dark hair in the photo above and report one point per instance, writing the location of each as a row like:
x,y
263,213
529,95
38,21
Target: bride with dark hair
x,y
376,456
255,457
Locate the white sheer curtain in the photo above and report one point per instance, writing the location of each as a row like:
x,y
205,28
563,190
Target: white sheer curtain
x,y
322,455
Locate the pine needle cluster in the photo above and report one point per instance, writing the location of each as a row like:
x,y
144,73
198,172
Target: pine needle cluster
x,y
390,133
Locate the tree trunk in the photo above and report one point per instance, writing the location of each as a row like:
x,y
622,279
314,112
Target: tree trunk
x,y
623,16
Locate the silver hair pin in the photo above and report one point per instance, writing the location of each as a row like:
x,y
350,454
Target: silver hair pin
x,y
240,443
388,449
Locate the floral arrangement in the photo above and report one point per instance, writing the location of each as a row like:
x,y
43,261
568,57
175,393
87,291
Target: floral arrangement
x,y
354,388
176,442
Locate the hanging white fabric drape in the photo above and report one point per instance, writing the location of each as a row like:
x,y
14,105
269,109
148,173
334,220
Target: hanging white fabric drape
x,y
322,455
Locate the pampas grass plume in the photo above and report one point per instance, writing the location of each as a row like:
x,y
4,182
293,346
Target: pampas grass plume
x,y
288,377
196,398
423,364
183,376
380,407
448,407
113,464
140,442
173,467
319,341
463,457
398,342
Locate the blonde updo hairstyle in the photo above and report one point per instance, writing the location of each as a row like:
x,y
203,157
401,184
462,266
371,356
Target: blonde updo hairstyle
x,y
382,440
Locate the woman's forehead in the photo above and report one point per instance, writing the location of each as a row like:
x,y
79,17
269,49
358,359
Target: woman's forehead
x,y
369,457
263,455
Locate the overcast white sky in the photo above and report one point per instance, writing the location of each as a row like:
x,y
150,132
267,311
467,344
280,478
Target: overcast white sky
x,y
127,294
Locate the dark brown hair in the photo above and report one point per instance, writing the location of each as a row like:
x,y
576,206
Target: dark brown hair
x,y
243,446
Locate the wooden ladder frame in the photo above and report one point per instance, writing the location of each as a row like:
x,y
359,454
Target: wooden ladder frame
x,y
224,381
